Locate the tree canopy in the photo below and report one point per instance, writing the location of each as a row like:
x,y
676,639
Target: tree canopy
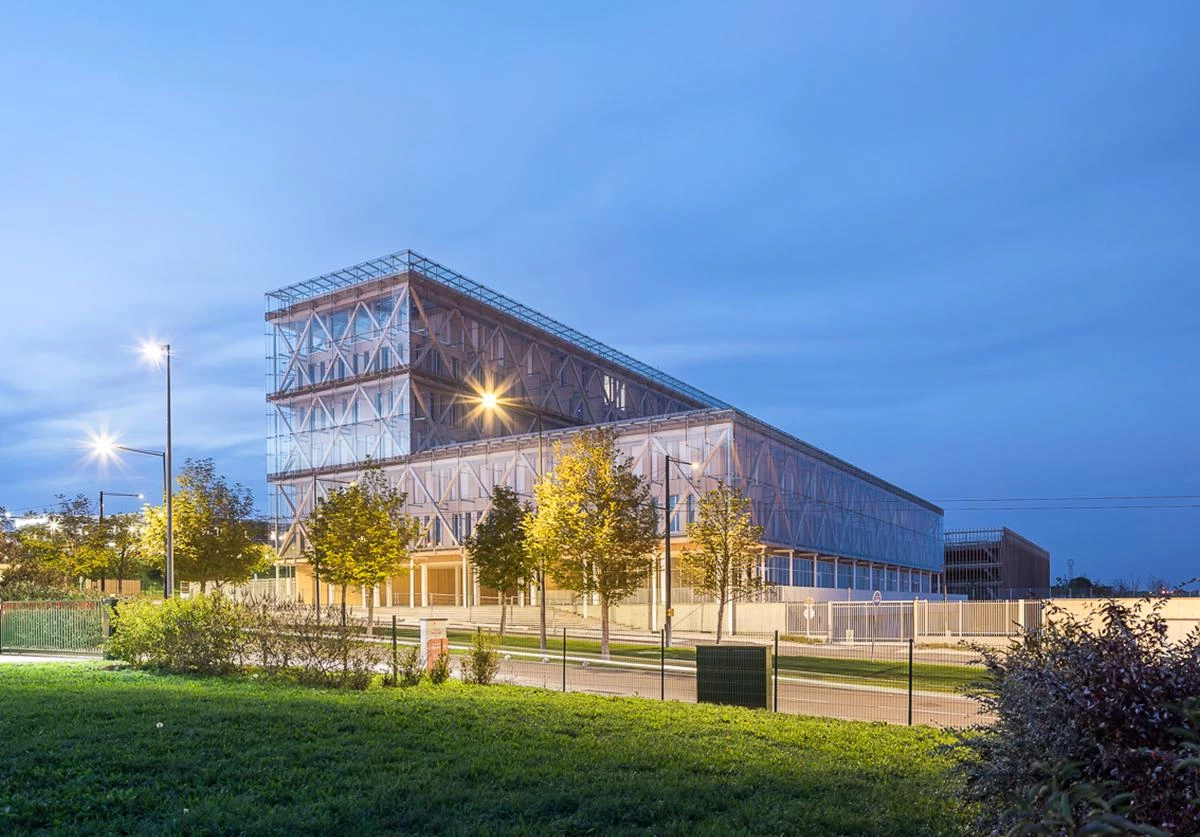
x,y
359,534
595,521
213,531
725,546
497,549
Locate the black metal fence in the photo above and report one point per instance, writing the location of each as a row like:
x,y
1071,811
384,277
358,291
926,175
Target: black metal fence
x,y
895,682
60,627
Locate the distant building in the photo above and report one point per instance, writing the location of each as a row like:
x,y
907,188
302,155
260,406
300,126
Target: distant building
x,y
390,361
995,564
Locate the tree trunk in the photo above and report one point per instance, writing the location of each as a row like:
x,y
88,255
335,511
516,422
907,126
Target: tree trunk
x,y
503,611
371,612
203,587
720,617
603,627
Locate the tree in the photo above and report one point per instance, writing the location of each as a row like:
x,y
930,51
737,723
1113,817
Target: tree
x,y
213,532
123,540
726,545
595,522
359,534
497,548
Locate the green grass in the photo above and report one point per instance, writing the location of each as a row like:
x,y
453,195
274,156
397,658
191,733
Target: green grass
x,y
81,752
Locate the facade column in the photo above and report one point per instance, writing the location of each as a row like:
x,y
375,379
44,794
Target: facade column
x,y
791,568
460,587
475,589
654,597
390,601
412,584
466,600
424,585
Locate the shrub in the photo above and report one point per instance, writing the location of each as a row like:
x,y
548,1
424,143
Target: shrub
x,y
318,648
202,635
482,663
439,672
408,667
1097,704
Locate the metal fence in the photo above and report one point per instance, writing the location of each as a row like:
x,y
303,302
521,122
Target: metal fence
x,y
67,627
921,620
893,682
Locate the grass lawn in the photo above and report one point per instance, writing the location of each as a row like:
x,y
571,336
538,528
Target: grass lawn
x,y
81,752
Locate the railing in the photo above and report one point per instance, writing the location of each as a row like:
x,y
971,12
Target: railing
x,y
69,627
921,620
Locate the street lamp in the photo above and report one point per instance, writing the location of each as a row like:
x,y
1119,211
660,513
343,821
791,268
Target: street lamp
x,y
667,513
106,448
492,402
101,519
156,353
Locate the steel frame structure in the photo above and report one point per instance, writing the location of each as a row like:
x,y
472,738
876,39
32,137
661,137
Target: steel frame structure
x,y
386,361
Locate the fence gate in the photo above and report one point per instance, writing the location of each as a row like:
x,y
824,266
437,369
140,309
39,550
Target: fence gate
x,y
866,622
71,627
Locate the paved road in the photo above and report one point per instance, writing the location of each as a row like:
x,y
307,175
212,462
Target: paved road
x,y
799,696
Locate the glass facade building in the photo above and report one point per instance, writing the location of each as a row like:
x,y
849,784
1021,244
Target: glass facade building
x,y
386,360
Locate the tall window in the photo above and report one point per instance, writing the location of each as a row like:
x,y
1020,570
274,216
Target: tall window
x,y
614,391
672,502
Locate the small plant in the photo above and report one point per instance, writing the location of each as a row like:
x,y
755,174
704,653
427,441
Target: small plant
x,y
482,663
439,672
408,667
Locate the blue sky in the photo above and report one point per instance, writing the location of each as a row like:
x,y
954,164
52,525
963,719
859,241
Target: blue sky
x,y
956,244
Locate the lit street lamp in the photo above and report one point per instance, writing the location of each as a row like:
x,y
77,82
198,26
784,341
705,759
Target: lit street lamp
x,y
491,401
156,352
105,448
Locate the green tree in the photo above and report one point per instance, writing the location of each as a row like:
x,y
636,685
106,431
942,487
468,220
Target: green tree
x,y
725,547
123,541
497,548
360,534
595,522
214,535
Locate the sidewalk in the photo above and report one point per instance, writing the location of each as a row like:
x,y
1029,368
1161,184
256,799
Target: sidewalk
x,y
19,659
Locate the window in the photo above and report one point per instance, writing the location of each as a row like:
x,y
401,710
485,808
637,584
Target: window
x,y
844,579
825,576
614,391
802,571
862,577
672,502
778,569
691,509
437,531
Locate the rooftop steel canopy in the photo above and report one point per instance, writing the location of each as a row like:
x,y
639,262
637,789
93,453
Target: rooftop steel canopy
x,y
406,261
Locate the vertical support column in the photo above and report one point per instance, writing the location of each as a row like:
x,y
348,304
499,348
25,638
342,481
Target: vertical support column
x,y
424,585
654,597
466,597
460,587
390,593
412,584
791,568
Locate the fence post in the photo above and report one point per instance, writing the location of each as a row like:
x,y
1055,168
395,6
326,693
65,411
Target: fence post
x,y
1,627
911,643
395,658
662,664
775,662
564,659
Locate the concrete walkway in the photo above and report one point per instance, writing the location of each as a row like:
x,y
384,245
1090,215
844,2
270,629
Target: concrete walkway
x,y
28,659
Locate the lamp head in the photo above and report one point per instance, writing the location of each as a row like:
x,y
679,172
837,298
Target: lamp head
x,y
489,400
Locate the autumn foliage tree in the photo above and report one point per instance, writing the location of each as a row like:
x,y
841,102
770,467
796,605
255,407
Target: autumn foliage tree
x,y
359,534
498,550
595,522
214,534
725,546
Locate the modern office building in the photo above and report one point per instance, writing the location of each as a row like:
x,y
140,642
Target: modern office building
x,y
388,360
995,564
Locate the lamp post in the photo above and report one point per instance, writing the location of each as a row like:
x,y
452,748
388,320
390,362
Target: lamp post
x,y
100,521
668,612
156,352
106,449
491,402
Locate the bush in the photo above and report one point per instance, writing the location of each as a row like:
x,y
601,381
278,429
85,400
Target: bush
x,y
482,663
214,635
201,635
408,667
1092,714
439,672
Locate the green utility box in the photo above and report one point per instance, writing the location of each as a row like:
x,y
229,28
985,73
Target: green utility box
x,y
739,675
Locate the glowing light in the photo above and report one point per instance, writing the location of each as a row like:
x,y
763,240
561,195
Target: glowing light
x,y
103,446
152,351
53,526
489,400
